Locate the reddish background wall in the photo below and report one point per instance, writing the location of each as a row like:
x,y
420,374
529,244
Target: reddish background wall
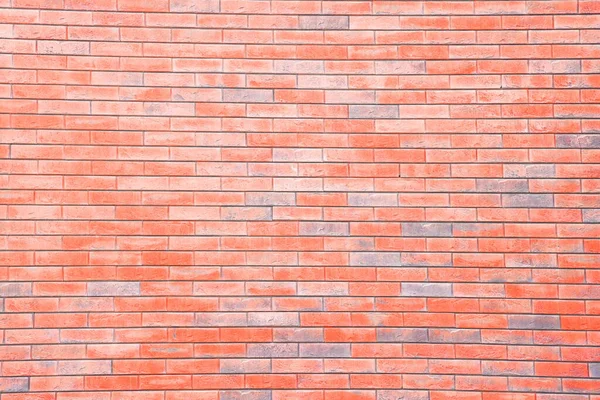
x,y
316,200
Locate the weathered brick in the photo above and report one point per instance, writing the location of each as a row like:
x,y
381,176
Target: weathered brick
x,y
245,366
324,350
426,229
248,95
578,141
273,319
533,322
225,319
528,200
273,350
427,289
359,111
270,199
204,6
324,228
324,22
372,199
245,395
303,335
113,288
402,335
591,215
403,395
14,384
375,259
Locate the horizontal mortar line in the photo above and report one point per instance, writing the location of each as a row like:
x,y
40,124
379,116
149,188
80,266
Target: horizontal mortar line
x,y
295,390
302,74
296,282
288,118
297,42
294,118
303,296
324,357
300,312
207,57
276,103
230,13
449,16
118,102
309,176
450,373
297,14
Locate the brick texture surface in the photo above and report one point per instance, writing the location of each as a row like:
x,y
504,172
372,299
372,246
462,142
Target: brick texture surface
x,y
299,200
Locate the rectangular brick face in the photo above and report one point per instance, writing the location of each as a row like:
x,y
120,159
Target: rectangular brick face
x,y
299,199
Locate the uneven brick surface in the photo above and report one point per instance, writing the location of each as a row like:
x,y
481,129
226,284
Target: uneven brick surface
x,y
299,200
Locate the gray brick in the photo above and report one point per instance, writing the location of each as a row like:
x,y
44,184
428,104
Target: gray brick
x,y
84,367
270,199
155,108
402,395
578,141
475,229
297,155
203,6
245,395
322,82
63,47
246,213
244,304
502,185
324,228
323,289
303,335
248,95
518,368
426,229
399,67
324,22
402,335
369,111
219,319
299,66
454,336
273,319
325,350
372,199
527,200
529,171
554,66
530,261
121,78
426,260
533,322
591,215
272,350
595,370
375,259
427,289
487,337
245,366
15,289
113,288
14,385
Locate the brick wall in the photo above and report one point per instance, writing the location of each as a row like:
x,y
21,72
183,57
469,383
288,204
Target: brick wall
x,y
299,200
